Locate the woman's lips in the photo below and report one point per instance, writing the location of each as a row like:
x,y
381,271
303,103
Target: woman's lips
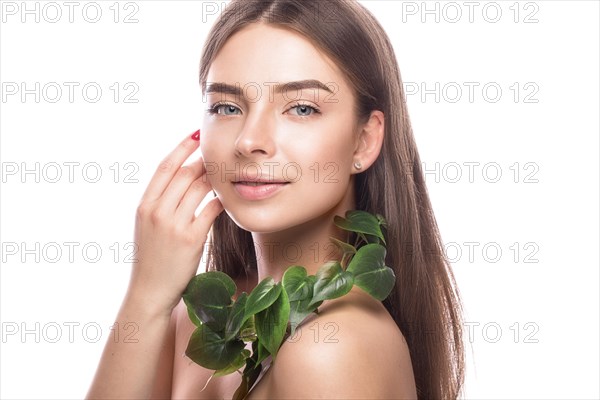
x,y
258,190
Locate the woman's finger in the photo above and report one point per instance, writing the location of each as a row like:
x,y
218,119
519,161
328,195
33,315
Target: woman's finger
x,y
194,195
175,191
169,167
207,216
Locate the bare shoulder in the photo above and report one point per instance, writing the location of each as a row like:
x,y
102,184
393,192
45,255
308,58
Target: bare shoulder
x,y
352,349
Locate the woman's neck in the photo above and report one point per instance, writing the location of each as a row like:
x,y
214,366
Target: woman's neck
x,y
310,248
307,245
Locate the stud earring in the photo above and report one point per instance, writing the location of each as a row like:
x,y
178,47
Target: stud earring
x,y
357,165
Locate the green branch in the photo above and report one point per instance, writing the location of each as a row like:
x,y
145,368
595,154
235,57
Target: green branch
x,y
273,310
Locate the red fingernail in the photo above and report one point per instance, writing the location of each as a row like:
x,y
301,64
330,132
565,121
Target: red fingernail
x,y
196,135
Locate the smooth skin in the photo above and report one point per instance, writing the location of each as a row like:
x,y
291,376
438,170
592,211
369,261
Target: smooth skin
x,y
353,348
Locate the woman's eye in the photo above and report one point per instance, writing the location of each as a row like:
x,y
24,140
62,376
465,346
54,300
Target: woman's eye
x,y
304,110
223,109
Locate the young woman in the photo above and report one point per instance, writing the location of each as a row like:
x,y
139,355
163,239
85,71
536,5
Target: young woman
x,y
306,119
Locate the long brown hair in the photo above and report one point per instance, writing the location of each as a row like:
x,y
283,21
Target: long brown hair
x,y
425,302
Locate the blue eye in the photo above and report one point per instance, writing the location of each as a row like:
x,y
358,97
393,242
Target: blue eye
x,y
226,107
304,110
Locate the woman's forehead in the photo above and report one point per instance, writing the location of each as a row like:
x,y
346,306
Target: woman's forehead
x,y
267,54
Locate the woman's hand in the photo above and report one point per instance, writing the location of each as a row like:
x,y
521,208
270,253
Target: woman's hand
x,y
169,236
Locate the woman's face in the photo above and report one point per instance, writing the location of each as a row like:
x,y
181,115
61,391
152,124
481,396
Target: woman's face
x,y
301,140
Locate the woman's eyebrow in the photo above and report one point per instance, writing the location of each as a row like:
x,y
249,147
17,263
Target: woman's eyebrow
x,y
225,88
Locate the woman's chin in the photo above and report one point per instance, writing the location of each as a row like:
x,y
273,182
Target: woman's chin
x,y
258,222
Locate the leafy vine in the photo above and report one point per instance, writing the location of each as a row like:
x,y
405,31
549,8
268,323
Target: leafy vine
x,y
272,311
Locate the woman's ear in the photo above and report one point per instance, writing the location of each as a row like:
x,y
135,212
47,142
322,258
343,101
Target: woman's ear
x,y
370,140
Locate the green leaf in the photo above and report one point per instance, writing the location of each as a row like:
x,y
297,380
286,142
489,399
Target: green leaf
x,y
370,272
381,220
361,222
249,376
261,353
218,275
299,310
271,323
209,298
253,375
191,313
332,282
248,330
212,351
236,317
206,300
371,238
238,363
263,295
296,283
344,247
299,288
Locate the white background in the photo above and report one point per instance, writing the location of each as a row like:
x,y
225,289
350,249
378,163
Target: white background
x,y
531,310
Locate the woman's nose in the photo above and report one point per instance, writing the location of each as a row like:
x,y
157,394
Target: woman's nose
x,y
257,135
